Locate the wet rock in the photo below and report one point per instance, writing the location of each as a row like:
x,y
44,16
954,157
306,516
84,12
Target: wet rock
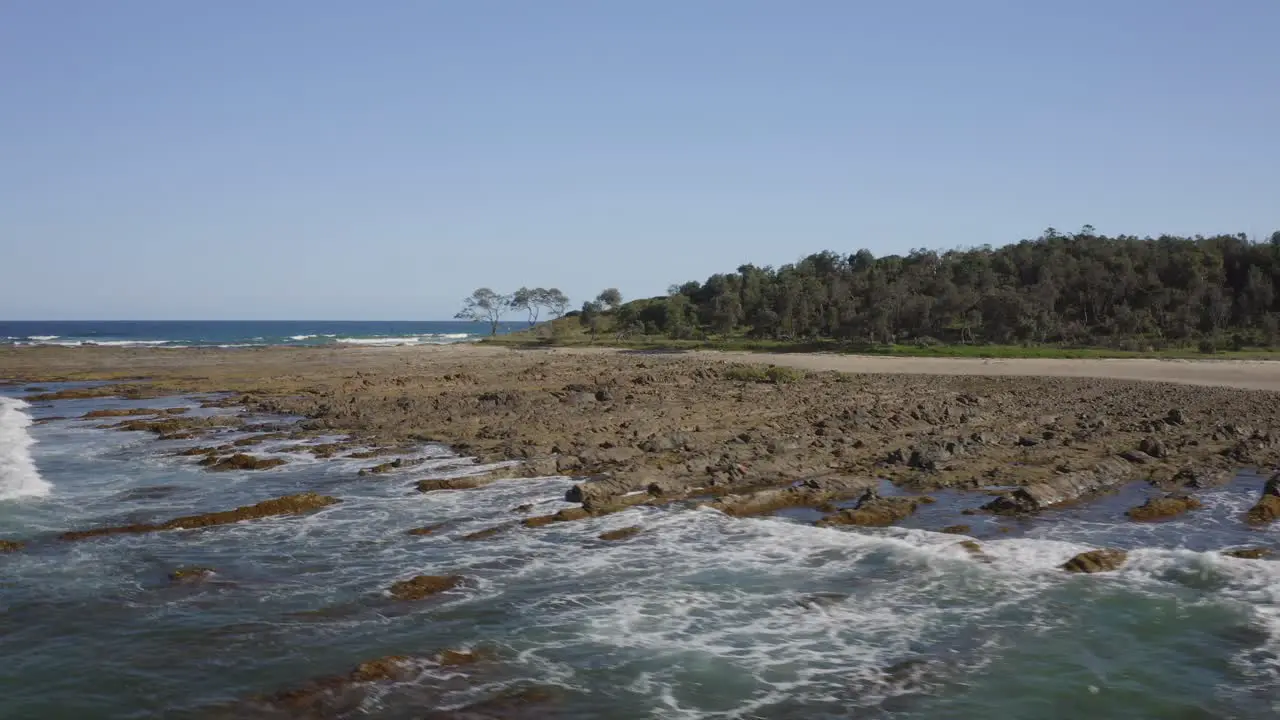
x,y
873,511
1255,553
1060,489
620,534
808,493
286,505
567,463
527,703
242,461
957,529
424,530
1163,507
191,574
335,696
130,412
456,658
423,586
814,601
11,545
463,483
1096,561
1153,447
173,428
1268,507
392,466
566,515
603,490
487,532
971,546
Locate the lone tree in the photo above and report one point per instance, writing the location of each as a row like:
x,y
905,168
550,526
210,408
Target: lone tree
x,y
609,299
483,306
555,302
530,301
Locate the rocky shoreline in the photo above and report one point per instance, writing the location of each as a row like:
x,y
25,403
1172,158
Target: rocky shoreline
x,y
642,429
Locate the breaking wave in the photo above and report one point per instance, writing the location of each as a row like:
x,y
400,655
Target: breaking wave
x,y
18,474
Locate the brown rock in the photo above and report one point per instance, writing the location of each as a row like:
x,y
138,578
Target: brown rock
x,y
11,545
621,534
1060,489
487,533
957,529
1267,510
457,483
190,575
873,511
1255,553
287,505
424,530
1096,561
423,586
971,546
1162,508
242,461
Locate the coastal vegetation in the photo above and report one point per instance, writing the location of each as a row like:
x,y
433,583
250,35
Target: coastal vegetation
x,y
1082,294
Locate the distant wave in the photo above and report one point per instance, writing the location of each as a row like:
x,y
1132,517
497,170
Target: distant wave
x,y
428,339
18,474
301,337
42,338
52,340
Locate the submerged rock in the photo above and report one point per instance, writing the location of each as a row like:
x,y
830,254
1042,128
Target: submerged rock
x,y
191,574
423,586
527,703
332,697
1060,489
957,529
1255,553
11,545
386,467
1163,508
566,515
621,534
286,505
425,530
242,461
130,412
488,532
1096,561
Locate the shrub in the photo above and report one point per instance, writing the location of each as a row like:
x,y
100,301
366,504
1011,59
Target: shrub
x,y
1206,347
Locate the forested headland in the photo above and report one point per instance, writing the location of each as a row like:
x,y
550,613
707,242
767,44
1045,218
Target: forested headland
x,y
1081,290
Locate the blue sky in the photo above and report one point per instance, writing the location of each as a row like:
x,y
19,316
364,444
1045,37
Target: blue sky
x,y
348,160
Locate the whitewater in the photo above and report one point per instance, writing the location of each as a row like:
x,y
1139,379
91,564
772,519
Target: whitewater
x,y
699,615
18,475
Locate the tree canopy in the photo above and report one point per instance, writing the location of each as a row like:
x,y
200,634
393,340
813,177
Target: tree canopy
x,y
1082,288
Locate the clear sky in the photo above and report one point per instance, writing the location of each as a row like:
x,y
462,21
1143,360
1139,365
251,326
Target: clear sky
x,y
306,159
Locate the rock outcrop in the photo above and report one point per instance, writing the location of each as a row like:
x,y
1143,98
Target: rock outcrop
x,y
620,534
807,493
1096,561
422,586
875,511
1060,489
1268,507
1163,508
11,545
191,574
287,505
243,461
1255,553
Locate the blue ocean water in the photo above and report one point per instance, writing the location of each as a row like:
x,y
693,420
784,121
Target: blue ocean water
x,y
215,333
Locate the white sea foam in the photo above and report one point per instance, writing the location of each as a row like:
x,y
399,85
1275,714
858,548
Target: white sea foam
x,y
42,338
18,474
301,337
380,341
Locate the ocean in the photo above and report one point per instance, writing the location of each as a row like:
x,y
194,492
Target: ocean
x,y
698,616
235,333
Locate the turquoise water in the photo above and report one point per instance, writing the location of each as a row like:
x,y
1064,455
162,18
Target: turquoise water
x,y
230,333
699,616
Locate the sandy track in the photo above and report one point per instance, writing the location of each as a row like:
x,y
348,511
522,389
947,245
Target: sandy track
x,y
1247,374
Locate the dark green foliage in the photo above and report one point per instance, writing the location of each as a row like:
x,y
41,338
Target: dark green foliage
x,y
1138,294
